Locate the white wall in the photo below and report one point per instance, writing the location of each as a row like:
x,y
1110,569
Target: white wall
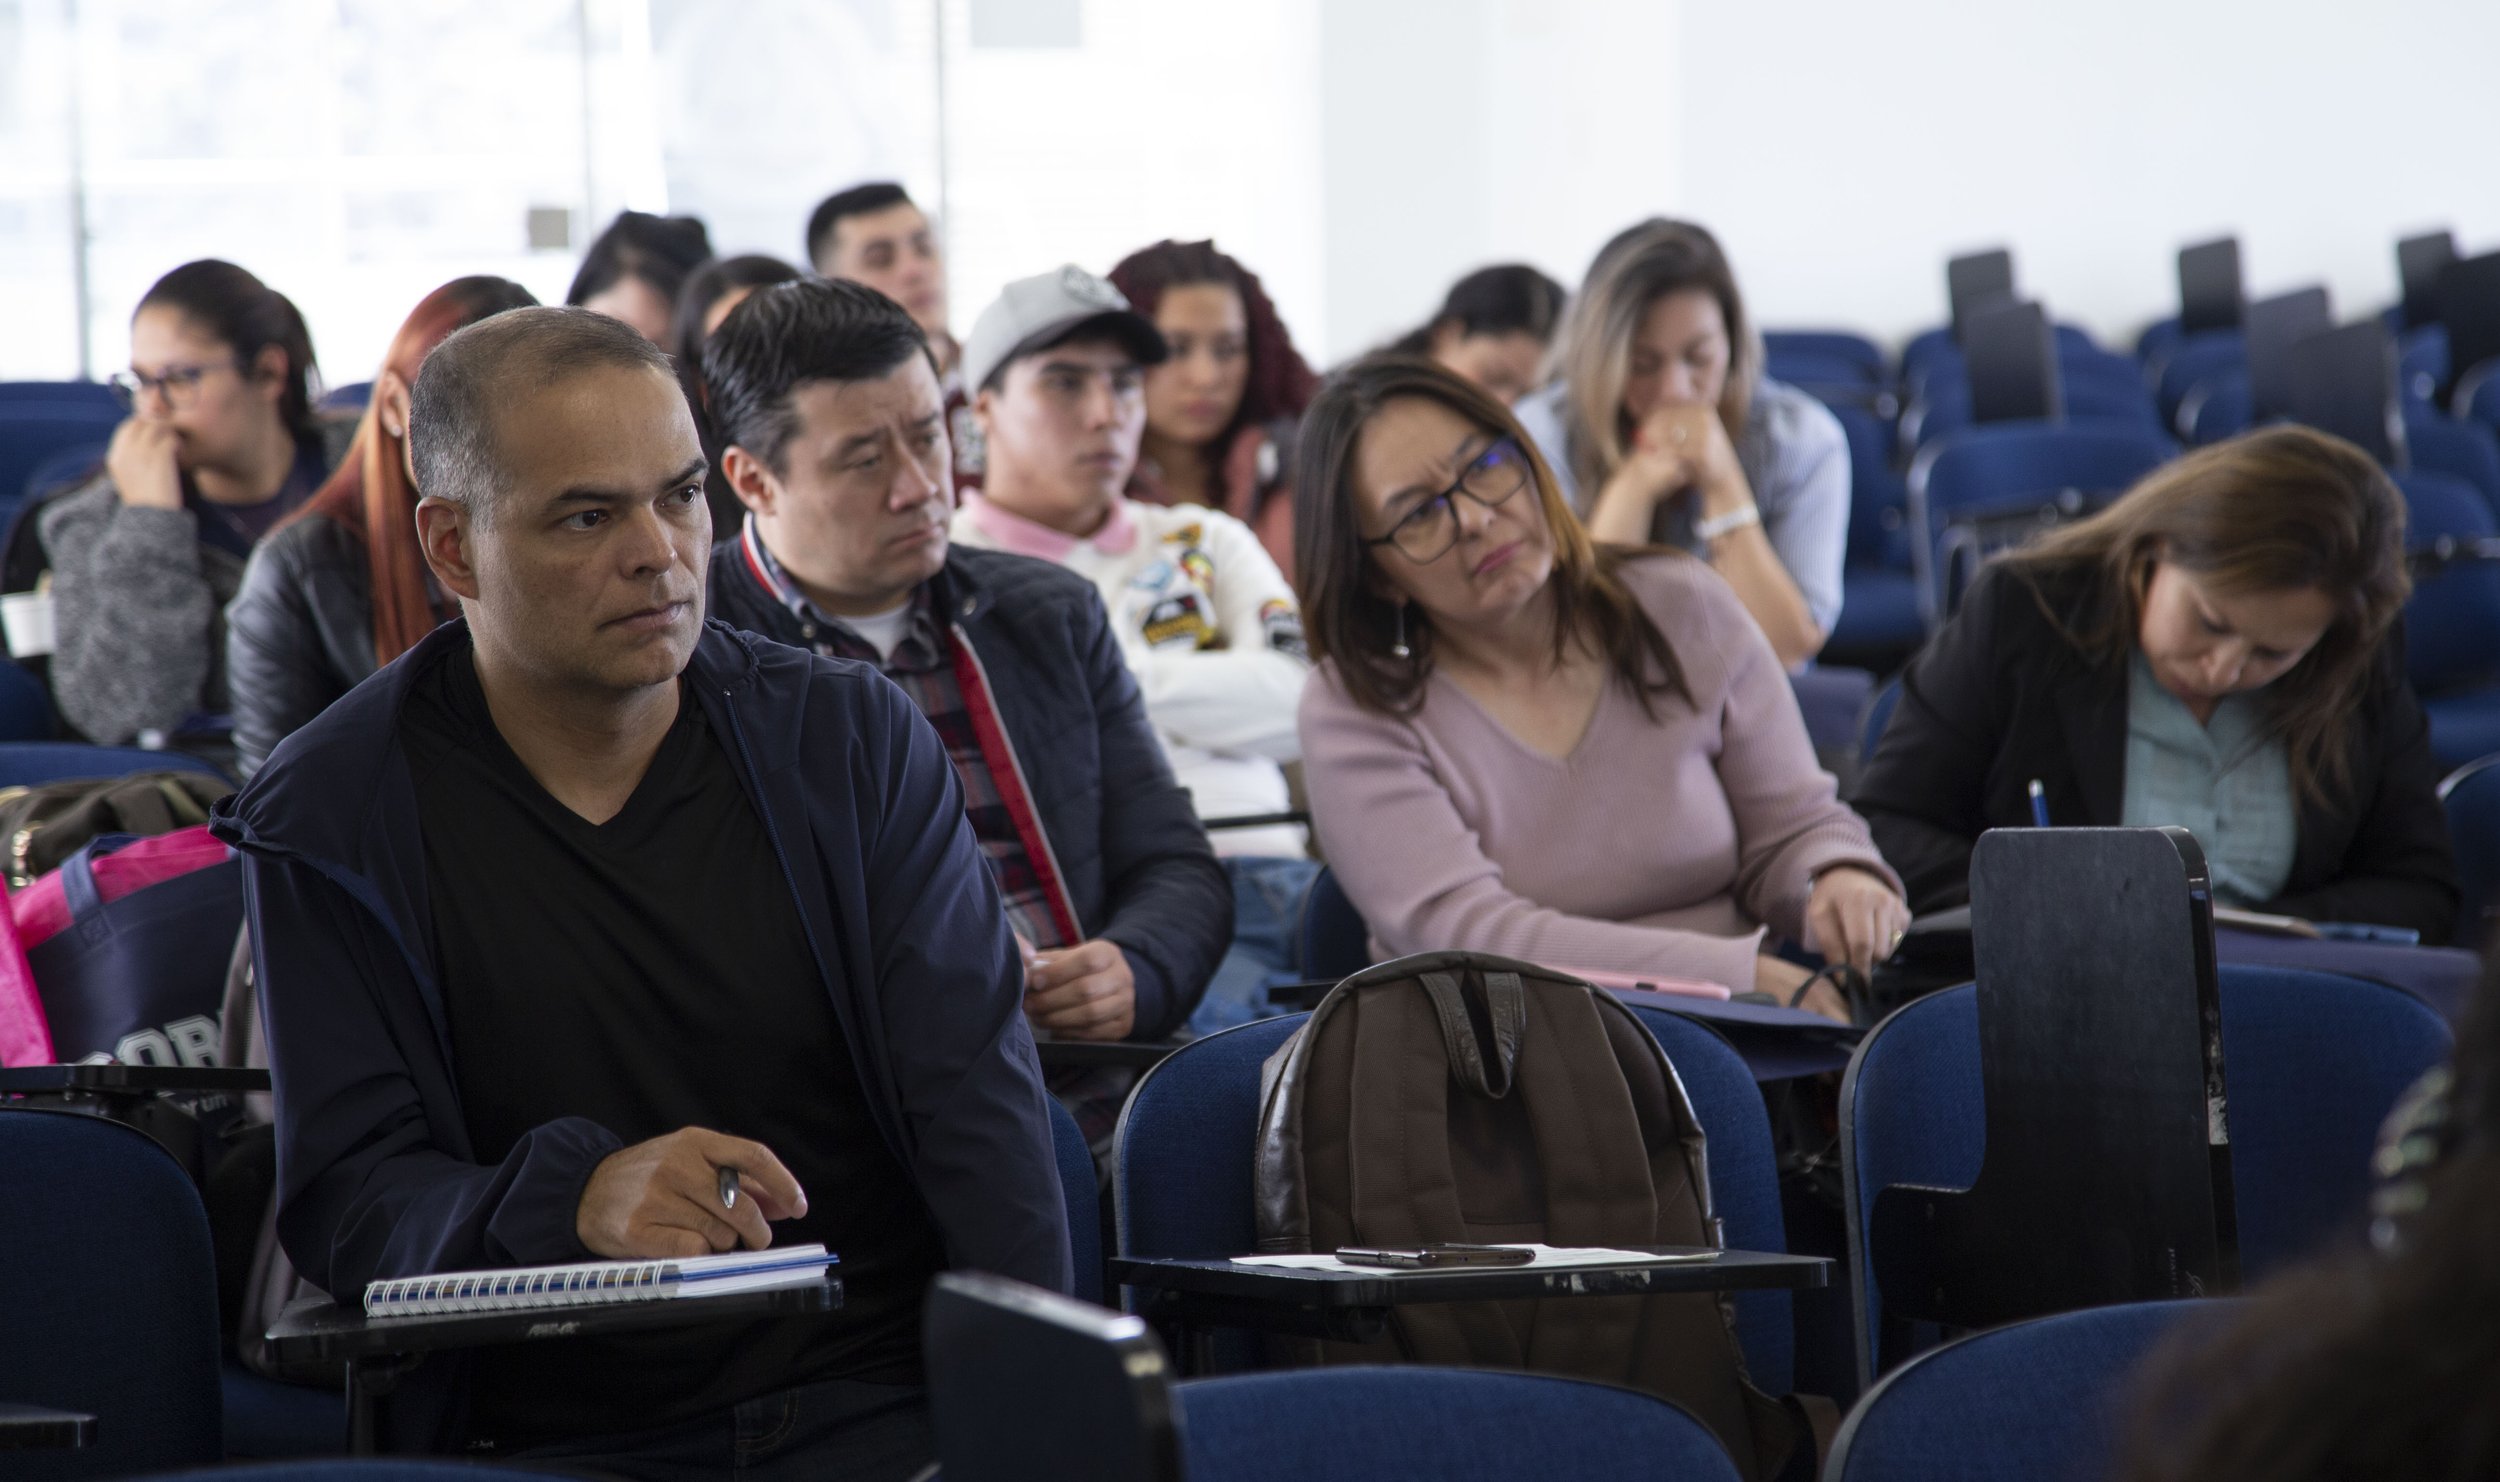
x,y
1843,150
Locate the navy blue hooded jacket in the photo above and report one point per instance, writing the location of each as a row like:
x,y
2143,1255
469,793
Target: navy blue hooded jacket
x,y
376,1177
1118,842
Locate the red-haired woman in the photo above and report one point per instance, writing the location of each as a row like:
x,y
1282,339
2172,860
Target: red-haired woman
x,y
339,590
1219,411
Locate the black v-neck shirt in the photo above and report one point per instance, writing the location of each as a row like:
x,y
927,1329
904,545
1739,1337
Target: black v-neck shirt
x,y
652,973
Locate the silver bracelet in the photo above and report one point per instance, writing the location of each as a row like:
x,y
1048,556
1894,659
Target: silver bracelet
x,y
1733,520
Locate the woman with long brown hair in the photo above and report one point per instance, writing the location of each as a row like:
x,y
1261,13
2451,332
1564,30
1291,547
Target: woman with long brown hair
x,y
2217,650
340,589
1661,427
1520,741
1221,406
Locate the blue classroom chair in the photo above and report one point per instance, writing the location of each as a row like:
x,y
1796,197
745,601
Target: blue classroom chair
x,y
1829,700
27,763
2197,357
34,431
1332,943
25,705
2313,1062
352,397
1858,352
2471,797
1181,1160
2011,464
1079,1187
2449,621
2044,1400
2462,450
1436,1425
111,1294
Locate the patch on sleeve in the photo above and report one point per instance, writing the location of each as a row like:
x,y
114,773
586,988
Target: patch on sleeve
x,y
1180,618
1281,622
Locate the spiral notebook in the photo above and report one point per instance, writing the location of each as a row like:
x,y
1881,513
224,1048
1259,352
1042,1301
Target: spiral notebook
x,y
595,1283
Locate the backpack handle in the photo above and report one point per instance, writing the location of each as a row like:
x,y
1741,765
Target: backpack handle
x,y
1506,1005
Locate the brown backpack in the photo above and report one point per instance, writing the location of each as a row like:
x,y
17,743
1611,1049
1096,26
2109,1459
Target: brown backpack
x,y
1456,1096
44,824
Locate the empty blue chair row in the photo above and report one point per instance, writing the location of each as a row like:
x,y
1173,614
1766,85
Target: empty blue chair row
x,y
2313,1062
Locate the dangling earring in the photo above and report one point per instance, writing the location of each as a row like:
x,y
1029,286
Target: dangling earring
x,y
1398,648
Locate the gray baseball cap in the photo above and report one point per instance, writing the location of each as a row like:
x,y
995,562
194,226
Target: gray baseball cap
x,y
1047,309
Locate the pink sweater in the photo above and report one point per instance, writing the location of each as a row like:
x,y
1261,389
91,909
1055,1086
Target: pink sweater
x,y
1658,846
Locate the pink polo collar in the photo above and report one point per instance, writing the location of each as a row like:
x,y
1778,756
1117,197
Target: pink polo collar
x,y
1024,537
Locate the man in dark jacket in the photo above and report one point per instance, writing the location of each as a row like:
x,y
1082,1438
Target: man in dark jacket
x,y
833,434
584,902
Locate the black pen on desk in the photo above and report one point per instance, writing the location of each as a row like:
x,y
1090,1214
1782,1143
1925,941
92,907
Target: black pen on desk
x,y
729,1188
2039,805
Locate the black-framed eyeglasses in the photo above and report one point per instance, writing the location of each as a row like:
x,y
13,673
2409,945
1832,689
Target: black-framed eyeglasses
x,y
1492,479
177,385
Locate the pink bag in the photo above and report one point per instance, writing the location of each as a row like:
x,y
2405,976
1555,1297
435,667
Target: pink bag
x,y
42,910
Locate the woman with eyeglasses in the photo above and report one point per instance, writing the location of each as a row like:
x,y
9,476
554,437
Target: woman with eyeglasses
x,y
222,443
1518,740
1662,427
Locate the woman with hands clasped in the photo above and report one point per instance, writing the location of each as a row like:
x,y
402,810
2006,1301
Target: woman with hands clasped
x,y
1519,740
1661,428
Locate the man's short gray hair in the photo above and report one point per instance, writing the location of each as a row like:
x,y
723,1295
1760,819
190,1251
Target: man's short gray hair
x,y
472,376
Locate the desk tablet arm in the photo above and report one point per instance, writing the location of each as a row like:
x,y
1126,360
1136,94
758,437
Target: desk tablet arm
x,y
130,1080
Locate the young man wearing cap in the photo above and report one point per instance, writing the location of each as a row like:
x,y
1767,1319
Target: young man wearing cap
x,y
1057,368
826,394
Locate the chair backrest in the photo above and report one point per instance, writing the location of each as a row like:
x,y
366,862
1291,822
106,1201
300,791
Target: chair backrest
x,y
2452,614
2196,357
352,397
2043,1400
2312,1064
1877,499
31,431
1413,1423
28,763
2471,795
2462,450
1331,940
1029,1386
1744,1179
2219,406
1180,1160
25,705
110,1293
2011,464
1083,1191
2422,363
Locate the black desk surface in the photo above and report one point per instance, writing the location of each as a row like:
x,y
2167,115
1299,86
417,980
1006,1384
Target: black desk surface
x,y
1078,1054
1734,1270
316,1330
33,1428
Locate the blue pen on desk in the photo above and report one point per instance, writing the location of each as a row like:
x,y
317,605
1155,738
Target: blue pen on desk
x,y
2039,805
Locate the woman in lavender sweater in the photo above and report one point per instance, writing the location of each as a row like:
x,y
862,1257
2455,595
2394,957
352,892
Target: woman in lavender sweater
x,y
1520,742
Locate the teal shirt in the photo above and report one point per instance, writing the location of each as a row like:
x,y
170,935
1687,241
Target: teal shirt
x,y
2227,782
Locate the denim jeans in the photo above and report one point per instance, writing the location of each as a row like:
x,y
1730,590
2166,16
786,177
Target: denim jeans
x,y
839,1430
1267,911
